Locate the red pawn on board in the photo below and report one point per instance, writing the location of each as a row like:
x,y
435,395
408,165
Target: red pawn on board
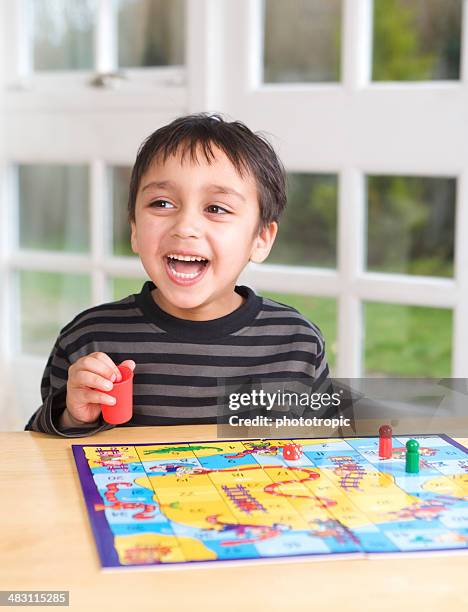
x,y
292,452
385,442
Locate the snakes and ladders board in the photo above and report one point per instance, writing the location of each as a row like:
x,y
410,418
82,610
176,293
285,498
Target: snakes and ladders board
x,y
218,501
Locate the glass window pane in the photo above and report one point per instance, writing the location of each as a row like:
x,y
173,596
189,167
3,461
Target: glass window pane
x,y
48,301
407,341
53,207
122,287
151,33
63,34
301,41
416,40
307,231
411,225
120,177
319,310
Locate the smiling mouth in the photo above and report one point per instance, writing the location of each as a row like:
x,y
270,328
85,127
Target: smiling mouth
x,y
186,267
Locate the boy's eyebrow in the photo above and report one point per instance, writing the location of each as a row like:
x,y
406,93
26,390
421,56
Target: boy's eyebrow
x,y
213,188
159,184
223,189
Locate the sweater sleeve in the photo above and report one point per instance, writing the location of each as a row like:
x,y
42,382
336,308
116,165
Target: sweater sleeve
x,y
321,382
54,396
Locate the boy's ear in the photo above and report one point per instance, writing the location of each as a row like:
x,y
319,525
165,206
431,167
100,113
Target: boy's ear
x,y
133,238
263,242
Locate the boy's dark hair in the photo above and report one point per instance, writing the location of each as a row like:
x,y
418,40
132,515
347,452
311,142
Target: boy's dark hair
x,y
247,151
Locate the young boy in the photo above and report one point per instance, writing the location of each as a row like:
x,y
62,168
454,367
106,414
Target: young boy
x,y
205,198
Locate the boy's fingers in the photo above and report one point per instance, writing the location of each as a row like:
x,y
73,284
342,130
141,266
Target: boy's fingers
x,y
90,366
91,380
108,361
94,397
129,363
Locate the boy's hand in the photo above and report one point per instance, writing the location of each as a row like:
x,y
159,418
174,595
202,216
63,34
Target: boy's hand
x,y
87,377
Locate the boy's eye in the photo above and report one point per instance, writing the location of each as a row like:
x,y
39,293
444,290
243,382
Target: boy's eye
x,y
218,209
166,205
158,204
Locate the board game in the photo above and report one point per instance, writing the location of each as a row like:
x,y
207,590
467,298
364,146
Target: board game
x,y
216,501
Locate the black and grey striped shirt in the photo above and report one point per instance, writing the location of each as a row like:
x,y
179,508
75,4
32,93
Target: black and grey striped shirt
x,y
179,362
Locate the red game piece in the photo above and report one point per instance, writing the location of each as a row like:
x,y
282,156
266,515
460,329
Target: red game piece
x,y
385,442
292,451
122,391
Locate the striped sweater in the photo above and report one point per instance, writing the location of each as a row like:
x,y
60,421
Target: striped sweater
x,y
179,362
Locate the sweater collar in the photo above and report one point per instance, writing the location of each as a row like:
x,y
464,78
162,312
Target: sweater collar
x,y
200,331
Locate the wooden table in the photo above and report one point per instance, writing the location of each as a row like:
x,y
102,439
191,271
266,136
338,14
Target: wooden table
x,y
46,544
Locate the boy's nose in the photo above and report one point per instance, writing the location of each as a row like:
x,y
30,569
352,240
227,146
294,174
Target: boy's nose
x,y
187,225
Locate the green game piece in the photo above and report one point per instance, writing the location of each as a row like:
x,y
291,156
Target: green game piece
x,y
412,457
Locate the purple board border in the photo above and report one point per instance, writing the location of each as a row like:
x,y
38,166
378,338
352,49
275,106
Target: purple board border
x,y
450,441
104,537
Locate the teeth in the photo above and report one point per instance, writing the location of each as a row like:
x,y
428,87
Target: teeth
x,y
186,257
182,275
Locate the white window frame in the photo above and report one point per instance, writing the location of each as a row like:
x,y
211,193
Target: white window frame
x,y
71,90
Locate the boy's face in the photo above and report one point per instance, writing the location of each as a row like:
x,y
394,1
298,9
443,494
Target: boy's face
x,y
189,215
